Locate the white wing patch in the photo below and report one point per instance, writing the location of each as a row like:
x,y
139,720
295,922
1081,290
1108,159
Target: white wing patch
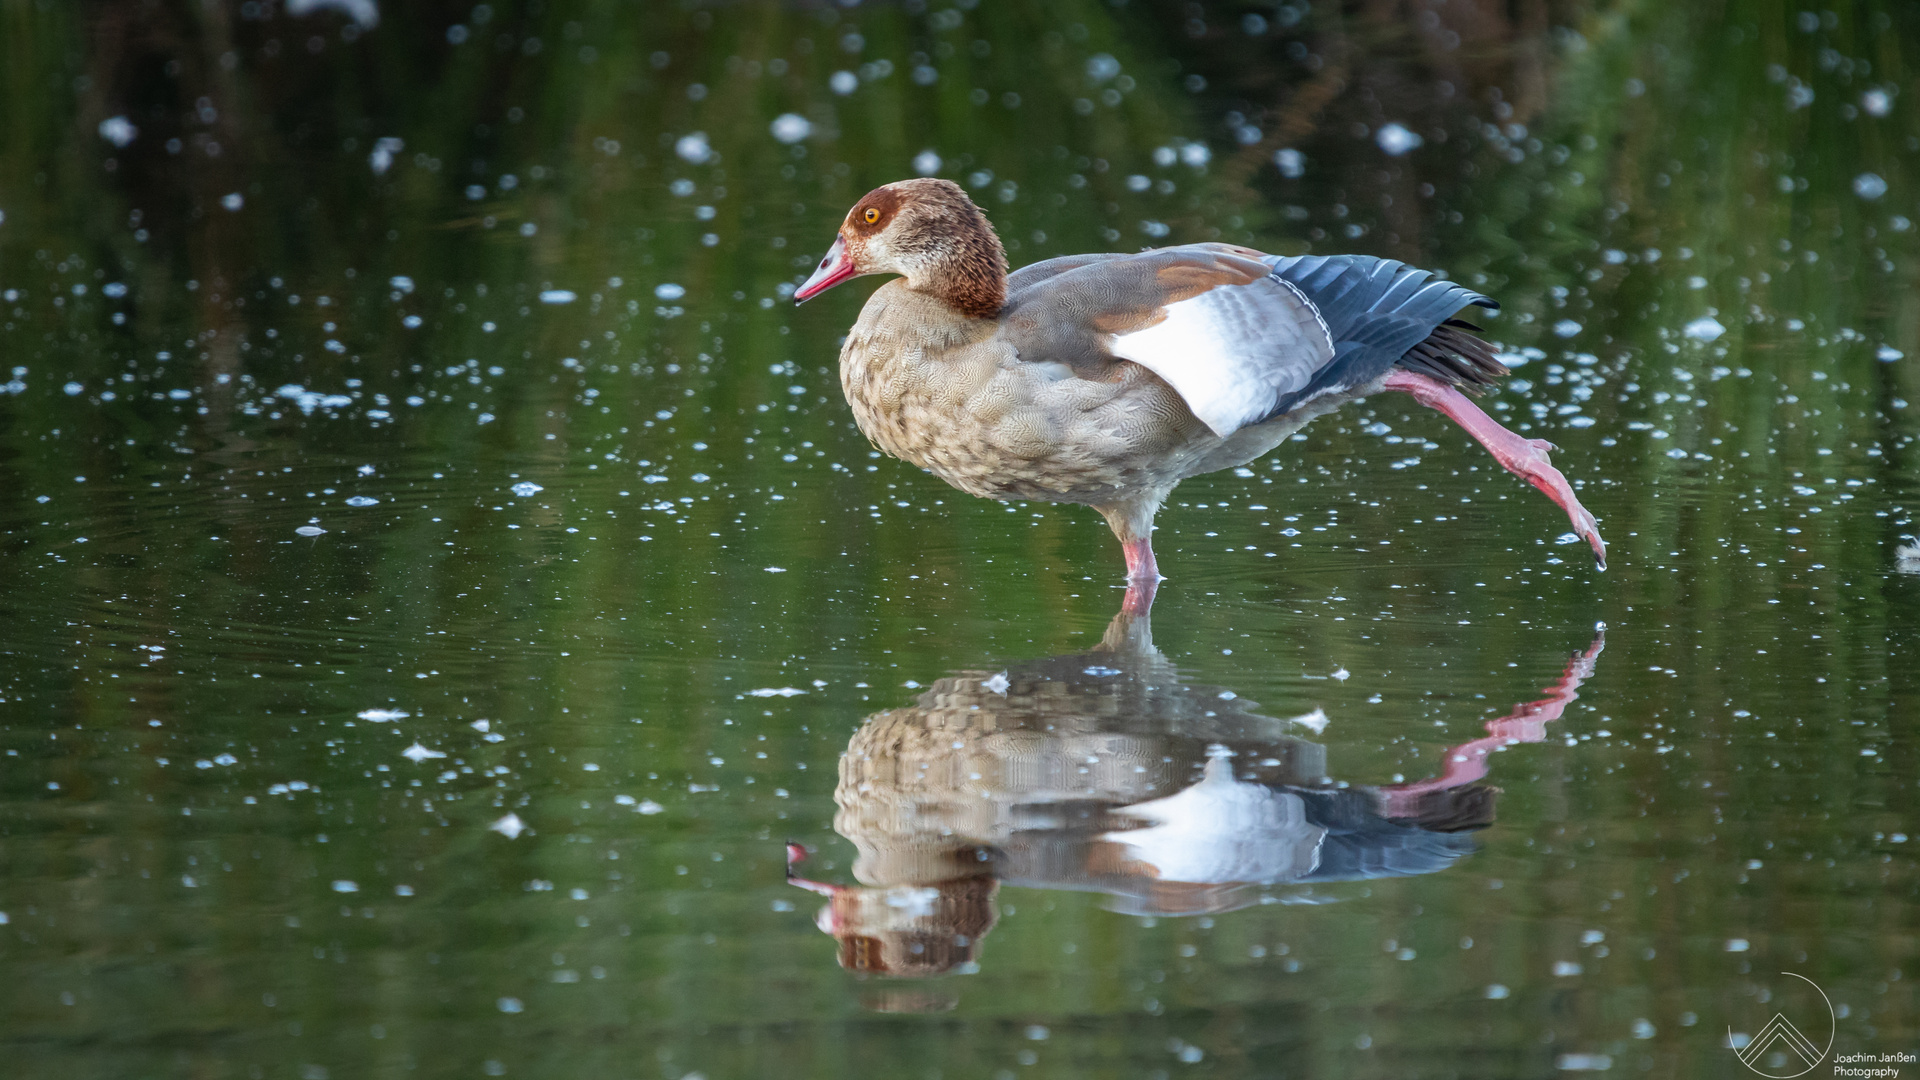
x,y
1232,351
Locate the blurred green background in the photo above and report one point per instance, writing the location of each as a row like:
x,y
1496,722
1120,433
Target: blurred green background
x,y
295,294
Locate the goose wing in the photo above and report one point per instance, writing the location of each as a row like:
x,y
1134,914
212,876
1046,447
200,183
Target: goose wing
x,y
1213,321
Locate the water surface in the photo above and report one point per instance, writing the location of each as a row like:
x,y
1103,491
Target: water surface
x,y
444,579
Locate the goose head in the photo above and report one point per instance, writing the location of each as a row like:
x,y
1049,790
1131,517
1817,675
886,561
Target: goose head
x,y
927,231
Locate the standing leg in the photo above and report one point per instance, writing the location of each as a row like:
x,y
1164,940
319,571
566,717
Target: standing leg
x,y
1143,576
1525,458
1132,524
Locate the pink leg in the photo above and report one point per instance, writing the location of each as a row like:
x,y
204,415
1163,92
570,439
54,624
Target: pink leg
x,y
1525,458
1466,763
1143,576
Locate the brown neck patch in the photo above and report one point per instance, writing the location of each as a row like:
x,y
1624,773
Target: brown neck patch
x,y
974,282
933,221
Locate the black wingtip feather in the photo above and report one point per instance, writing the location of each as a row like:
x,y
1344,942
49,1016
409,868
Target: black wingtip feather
x,y
1383,314
1455,356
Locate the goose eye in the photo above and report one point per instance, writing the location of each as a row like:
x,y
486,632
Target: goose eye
x,y
872,215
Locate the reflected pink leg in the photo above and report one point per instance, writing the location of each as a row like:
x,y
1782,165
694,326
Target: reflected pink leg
x,y
1525,458
1467,762
1143,576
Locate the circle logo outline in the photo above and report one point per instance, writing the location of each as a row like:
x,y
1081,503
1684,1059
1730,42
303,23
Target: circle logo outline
x,y
1780,1028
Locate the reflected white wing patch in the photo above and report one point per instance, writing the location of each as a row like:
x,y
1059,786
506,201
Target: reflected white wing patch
x,y
1232,351
1224,830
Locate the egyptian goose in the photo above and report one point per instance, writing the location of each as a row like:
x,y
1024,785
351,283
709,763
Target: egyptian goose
x,y
1107,771
1107,379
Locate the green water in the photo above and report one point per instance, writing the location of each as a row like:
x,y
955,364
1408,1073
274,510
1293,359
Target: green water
x,y
502,444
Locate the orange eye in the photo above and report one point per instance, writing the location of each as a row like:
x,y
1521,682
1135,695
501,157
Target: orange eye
x,y
872,215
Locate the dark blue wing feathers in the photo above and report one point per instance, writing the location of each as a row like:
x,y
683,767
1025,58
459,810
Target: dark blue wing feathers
x,y
1381,313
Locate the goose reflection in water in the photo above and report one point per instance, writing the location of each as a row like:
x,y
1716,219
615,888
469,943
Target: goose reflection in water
x,y
1103,772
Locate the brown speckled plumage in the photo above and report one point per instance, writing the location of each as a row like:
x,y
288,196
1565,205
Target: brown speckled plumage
x,y
955,398
1005,394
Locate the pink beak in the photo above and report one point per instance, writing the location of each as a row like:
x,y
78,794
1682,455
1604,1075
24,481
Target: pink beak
x,y
834,269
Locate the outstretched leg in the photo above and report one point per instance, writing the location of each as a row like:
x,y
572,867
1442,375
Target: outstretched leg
x,y
1525,458
1527,723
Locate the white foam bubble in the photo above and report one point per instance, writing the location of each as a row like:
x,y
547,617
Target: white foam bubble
x,y
1396,139
791,127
